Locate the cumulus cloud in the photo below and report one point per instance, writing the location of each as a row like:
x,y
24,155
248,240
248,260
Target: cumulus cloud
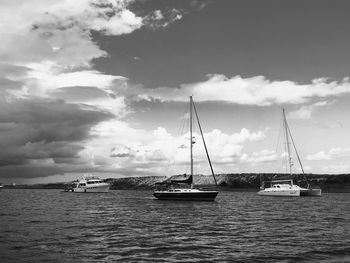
x,y
48,46
262,156
249,91
52,41
337,168
159,19
333,153
123,23
60,31
319,156
127,149
305,112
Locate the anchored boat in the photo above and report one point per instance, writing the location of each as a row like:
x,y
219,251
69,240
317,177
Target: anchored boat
x,y
184,189
287,187
89,184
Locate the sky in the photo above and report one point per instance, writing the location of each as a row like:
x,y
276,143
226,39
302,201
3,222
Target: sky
x,y
103,86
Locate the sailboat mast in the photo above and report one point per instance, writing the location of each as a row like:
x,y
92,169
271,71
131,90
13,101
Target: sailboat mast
x,y
287,141
191,142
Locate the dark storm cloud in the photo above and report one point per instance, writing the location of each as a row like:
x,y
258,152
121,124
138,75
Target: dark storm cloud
x,y
39,150
12,70
29,171
40,133
7,75
39,120
6,84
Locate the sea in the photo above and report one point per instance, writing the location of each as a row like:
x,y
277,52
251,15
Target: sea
x,y
132,226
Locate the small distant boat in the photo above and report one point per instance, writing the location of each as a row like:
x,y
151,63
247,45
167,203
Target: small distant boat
x,y
1,186
89,184
287,187
183,189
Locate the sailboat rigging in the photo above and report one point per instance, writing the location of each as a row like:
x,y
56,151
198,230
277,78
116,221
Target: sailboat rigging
x,y
172,190
287,187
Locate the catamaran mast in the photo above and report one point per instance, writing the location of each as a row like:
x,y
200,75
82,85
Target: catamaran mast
x,y
287,141
296,151
191,142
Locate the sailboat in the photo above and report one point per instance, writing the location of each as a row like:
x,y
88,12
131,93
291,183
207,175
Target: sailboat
x,y
287,187
184,189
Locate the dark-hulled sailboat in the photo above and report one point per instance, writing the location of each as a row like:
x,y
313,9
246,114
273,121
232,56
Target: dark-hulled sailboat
x,y
183,189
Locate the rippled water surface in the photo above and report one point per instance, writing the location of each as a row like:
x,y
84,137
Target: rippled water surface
x,y
131,226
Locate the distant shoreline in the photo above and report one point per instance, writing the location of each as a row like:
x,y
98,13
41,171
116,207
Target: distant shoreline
x,y
221,189
247,182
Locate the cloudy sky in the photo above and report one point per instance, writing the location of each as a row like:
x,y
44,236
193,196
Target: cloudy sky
x,y
102,86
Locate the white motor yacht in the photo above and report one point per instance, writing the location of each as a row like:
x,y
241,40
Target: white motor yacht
x,y
90,184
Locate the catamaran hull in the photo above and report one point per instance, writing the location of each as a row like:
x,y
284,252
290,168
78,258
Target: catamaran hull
x,y
95,189
280,193
201,196
301,192
310,192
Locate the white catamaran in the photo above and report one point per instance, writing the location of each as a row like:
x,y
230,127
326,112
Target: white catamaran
x,y
287,187
183,189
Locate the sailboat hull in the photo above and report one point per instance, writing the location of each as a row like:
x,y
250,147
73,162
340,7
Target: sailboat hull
x,y
186,196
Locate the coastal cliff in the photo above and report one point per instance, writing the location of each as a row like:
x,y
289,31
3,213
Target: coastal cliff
x,y
246,181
